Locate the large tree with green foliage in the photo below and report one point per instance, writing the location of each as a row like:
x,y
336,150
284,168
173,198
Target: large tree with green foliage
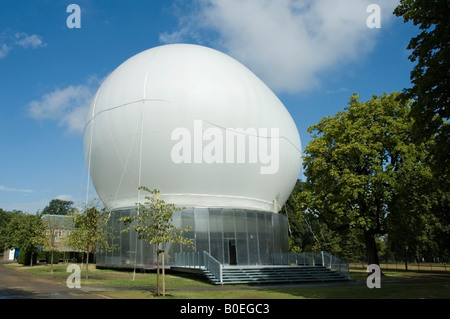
x,y
24,232
431,74
300,235
430,92
344,242
5,217
153,223
358,165
58,207
431,52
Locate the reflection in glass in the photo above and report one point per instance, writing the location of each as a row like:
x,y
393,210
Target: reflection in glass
x,y
232,236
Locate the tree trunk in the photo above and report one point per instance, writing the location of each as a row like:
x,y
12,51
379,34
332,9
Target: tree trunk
x,y
163,275
157,272
51,261
371,248
406,258
87,265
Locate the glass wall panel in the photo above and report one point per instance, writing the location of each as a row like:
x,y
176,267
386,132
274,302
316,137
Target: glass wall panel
x,y
252,235
282,244
149,254
201,229
125,248
232,236
188,220
263,240
114,256
241,237
176,248
229,236
216,234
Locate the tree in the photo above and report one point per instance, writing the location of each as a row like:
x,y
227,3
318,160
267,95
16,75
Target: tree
x,y
153,223
430,93
58,207
24,232
301,237
55,226
412,228
5,218
356,166
430,76
91,233
343,242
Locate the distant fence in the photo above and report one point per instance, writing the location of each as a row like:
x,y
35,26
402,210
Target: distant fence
x,y
313,258
437,267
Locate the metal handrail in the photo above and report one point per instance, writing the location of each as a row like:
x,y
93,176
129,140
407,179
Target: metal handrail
x,y
213,265
337,264
201,260
315,258
192,259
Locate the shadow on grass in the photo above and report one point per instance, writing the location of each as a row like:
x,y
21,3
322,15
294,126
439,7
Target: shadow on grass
x,y
394,285
405,286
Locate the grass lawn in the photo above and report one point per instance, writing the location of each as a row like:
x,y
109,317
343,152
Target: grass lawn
x,y
125,285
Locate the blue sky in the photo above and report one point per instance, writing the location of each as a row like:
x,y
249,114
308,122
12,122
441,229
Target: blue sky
x,y
312,54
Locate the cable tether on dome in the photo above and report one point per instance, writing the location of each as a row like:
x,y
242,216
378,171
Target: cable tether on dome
x,y
139,183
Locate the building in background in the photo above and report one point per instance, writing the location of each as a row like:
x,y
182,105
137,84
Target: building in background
x,y
58,228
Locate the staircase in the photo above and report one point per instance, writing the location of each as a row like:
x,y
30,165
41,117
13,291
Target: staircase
x,y
285,268
274,274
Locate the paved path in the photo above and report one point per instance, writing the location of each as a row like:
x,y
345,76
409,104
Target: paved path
x,y
16,284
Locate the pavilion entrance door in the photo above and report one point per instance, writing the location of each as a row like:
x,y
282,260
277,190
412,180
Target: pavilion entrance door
x,y
232,251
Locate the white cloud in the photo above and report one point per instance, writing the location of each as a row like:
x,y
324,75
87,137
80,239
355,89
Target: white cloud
x,y
68,106
288,43
26,41
10,40
65,197
174,37
9,189
4,49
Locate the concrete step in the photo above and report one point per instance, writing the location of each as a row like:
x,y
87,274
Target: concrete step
x,y
235,275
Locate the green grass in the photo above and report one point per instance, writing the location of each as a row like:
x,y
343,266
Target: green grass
x,y
121,285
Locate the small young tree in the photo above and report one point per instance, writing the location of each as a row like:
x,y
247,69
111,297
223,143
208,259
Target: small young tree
x,y
91,232
52,227
153,223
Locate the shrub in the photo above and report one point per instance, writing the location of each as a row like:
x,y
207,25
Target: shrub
x,y
42,255
56,256
24,258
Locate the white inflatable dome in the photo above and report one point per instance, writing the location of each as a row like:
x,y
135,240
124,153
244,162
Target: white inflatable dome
x,y
195,124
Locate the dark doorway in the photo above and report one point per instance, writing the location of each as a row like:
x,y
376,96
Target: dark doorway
x,y
232,251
